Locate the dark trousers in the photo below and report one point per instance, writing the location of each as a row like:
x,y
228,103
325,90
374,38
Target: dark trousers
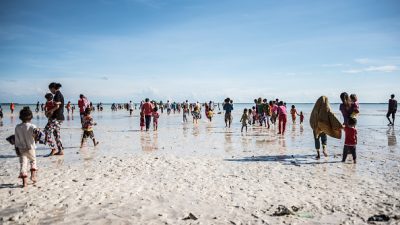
x,y
349,149
323,138
148,121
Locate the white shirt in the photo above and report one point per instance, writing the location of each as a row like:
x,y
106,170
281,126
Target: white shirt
x,y
24,139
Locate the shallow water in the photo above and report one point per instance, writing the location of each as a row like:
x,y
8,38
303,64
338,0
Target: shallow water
x,y
120,133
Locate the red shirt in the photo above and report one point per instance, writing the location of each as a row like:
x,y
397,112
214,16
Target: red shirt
x,y
351,136
147,109
83,103
49,105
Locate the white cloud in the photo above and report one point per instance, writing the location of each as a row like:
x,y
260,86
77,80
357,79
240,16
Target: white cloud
x,y
352,71
364,61
386,69
333,65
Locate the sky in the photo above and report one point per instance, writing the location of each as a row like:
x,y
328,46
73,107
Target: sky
x,y
200,50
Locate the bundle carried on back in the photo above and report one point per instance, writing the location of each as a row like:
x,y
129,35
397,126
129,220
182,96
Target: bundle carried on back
x,y
322,120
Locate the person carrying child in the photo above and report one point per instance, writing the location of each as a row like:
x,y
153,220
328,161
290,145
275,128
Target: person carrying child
x,y
87,127
228,108
25,146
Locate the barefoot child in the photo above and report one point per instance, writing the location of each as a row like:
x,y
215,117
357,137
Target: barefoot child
x,y
142,121
244,119
350,140
249,115
196,114
254,115
87,127
210,114
25,145
185,111
282,117
155,115
293,112
301,117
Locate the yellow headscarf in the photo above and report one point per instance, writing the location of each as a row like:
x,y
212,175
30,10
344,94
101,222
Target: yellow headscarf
x,y
322,120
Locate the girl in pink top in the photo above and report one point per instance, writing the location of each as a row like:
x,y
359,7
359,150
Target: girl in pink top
x,y
155,115
282,116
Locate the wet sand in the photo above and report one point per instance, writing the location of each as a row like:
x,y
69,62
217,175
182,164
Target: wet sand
x,y
205,174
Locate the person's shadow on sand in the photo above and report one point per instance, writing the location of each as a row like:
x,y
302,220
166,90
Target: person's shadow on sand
x,y
295,160
4,186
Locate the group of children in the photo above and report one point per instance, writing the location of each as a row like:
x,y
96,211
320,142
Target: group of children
x,y
265,112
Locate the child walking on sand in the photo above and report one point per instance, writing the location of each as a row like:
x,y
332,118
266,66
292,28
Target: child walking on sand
x,y
244,120
87,127
350,140
142,121
210,114
196,114
301,117
293,112
282,117
155,115
185,112
254,115
25,145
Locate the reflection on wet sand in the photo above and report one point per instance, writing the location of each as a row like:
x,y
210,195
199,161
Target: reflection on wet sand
x,y
149,141
228,141
391,136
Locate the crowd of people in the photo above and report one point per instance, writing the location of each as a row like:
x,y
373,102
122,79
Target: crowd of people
x,y
264,113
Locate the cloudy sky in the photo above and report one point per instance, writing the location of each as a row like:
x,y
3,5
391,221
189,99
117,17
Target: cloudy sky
x,y
200,50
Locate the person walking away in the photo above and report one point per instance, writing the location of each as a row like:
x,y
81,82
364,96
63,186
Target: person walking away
x,y
147,109
392,109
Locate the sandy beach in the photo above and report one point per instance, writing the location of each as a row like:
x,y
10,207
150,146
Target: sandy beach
x,y
205,174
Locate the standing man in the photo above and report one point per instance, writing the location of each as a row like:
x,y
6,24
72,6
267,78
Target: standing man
x,y
392,109
147,109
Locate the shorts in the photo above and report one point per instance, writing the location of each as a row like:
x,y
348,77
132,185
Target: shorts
x,y
196,115
228,117
393,113
88,134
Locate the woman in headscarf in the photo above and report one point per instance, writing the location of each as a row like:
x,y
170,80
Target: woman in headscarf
x,y
324,122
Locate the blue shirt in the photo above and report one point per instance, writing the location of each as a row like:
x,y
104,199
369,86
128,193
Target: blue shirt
x,y
228,107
